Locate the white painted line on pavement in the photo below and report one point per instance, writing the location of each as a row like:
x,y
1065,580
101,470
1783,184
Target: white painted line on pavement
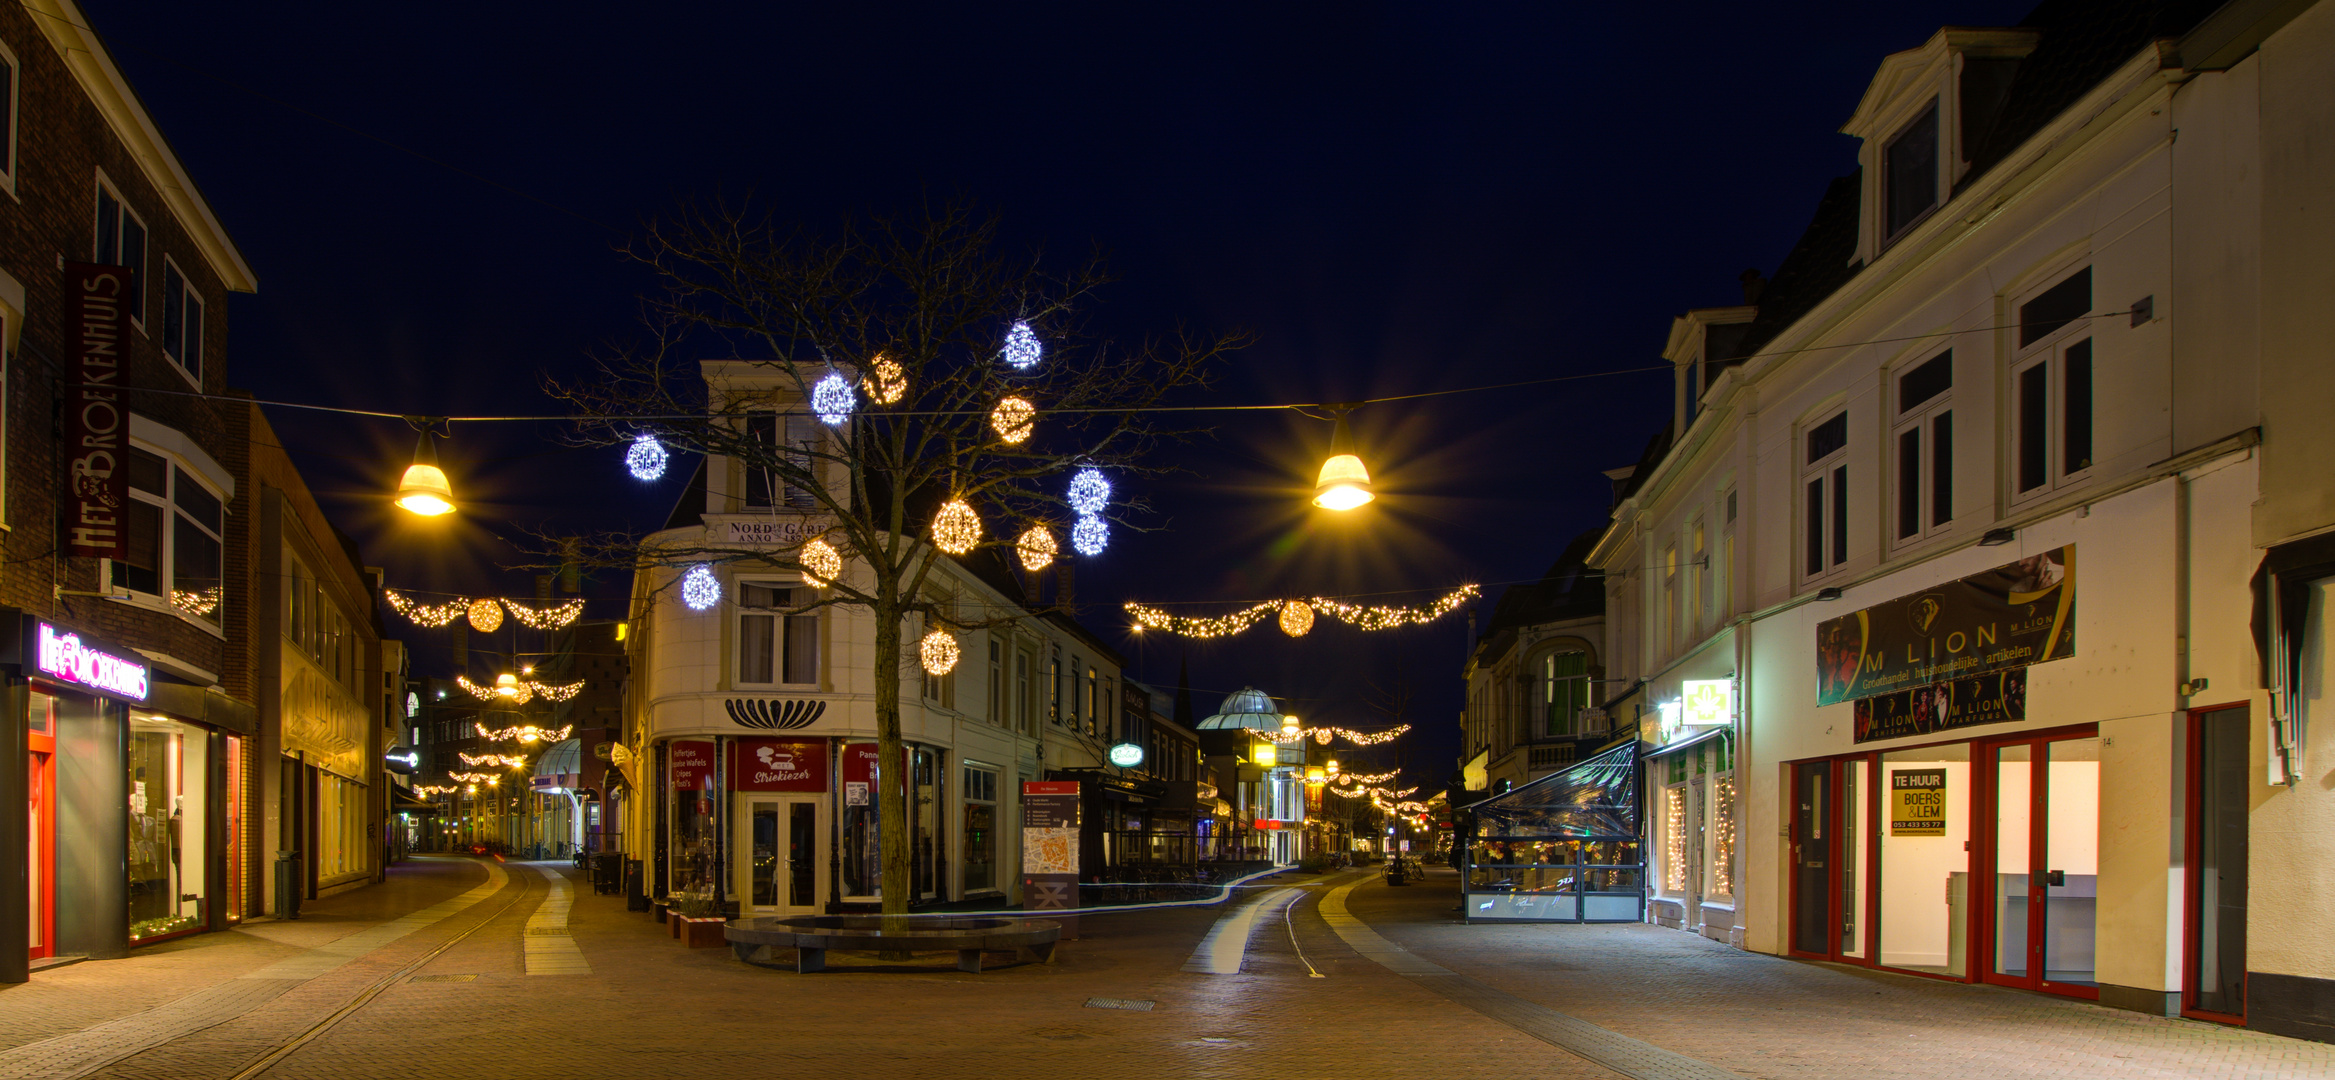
x,y
1221,951
551,950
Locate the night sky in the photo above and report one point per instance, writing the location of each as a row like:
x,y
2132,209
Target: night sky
x,y
1393,199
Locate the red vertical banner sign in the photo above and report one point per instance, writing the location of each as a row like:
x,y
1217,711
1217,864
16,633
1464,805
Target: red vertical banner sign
x,y
97,420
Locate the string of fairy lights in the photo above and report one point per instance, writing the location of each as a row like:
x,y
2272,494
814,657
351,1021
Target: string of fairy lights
x,y
486,613
1296,615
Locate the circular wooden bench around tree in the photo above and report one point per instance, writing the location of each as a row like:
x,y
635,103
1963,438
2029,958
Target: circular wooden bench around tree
x,y
811,936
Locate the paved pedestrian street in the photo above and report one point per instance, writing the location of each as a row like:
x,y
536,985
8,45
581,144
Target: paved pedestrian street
x,y
463,967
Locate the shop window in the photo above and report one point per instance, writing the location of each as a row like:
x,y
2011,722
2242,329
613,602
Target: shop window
x,y
1824,483
174,527
980,828
169,771
925,857
777,642
121,241
1723,835
1924,440
1922,924
2051,387
1674,838
341,848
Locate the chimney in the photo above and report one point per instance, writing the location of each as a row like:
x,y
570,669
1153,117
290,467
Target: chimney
x,y
1753,285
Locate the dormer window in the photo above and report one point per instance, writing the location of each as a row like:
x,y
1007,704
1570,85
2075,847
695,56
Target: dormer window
x,y
1911,167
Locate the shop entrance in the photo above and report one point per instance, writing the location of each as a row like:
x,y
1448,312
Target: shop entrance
x,y
2044,883
2221,782
41,850
778,873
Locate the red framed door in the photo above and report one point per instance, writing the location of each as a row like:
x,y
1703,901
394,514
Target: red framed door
x,y
2039,856
41,784
2221,782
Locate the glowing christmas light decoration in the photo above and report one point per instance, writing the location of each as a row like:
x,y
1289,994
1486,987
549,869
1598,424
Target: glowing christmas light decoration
x,y
551,617
1296,618
1014,419
1037,549
486,616
1091,535
822,564
1090,491
885,383
429,790
549,692
526,733
833,399
1365,618
938,651
646,457
699,588
1022,347
429,615
489,779
508,761
956,528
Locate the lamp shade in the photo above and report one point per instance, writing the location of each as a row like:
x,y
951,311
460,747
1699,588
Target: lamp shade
x,y
423,490
1266,755
1343,483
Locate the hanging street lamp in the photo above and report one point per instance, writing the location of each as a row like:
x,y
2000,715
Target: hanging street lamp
x,y
1344,483
424,490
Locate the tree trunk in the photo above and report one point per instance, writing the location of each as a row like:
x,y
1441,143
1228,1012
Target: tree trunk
x,y
892,771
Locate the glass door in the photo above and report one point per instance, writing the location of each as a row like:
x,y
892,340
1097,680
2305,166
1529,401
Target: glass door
x,y
2043,864
778,863
2220,783
1812,839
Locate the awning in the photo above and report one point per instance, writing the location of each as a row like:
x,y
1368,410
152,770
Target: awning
x,y
402,801
561,768
1595,799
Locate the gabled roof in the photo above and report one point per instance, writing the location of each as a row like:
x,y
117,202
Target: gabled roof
x,y
93,67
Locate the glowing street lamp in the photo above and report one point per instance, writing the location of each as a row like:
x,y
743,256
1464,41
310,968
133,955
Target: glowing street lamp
x,y
424,490
1343,483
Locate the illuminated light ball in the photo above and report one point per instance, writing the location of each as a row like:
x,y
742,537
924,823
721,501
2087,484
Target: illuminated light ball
x,y
938,651
1037,549
833,399
956,528
1021,346
1091,535
1296,618
1014,419
886,383
700,589
822,565
646,458
486,616
1090,491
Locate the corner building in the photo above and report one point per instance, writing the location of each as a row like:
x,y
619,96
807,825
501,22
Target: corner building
x,y
1983,590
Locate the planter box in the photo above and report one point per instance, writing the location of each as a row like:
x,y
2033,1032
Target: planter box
x,y
700,933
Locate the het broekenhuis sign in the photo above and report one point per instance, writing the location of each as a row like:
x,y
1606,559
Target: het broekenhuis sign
x,y
2014,615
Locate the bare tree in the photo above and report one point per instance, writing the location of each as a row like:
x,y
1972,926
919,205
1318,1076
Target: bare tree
x,y
912,318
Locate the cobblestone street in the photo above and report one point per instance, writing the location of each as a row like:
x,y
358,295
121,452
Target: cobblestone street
x,y
432,974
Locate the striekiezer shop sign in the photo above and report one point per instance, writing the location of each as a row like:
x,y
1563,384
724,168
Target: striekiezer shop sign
x,y
97,423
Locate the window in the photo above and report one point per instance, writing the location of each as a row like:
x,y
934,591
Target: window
x,y
772,488
1025,673
773,645
1564,692
1093,700
980,828
1054,695
2051,386
121,241
1723,565
997,684
1669,616
1924,438
182,322
175,524
1825,480
9,87
1698,575
1910,174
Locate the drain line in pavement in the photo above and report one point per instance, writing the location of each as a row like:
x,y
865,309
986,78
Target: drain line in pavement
x,y
549,948
1627,1056
1310,971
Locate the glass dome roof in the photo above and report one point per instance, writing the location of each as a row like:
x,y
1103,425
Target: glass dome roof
x,y
1250,708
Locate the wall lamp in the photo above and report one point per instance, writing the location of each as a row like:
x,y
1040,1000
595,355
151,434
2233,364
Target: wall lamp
x,y
1829,592
1997,537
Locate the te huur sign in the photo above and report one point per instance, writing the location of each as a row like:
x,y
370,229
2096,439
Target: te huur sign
x,y
1917,802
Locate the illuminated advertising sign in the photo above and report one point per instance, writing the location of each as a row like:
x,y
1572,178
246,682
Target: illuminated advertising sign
x,y
63,657
1126,755
1708,702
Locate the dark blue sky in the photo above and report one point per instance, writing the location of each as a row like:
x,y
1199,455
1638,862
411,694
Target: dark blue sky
x,y
1393,198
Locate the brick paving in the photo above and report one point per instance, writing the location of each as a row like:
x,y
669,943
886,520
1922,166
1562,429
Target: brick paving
x,y
456,1000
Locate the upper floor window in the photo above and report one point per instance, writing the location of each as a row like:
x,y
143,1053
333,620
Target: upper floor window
x,y
1824,480
1924,438
1025,680
775,646
1564,692
2051,387
1910,173
997,684
121,241
182,322
174,524
771,488
9,88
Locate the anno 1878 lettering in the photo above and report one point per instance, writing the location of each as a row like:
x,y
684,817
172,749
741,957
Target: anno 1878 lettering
x,y
96,420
